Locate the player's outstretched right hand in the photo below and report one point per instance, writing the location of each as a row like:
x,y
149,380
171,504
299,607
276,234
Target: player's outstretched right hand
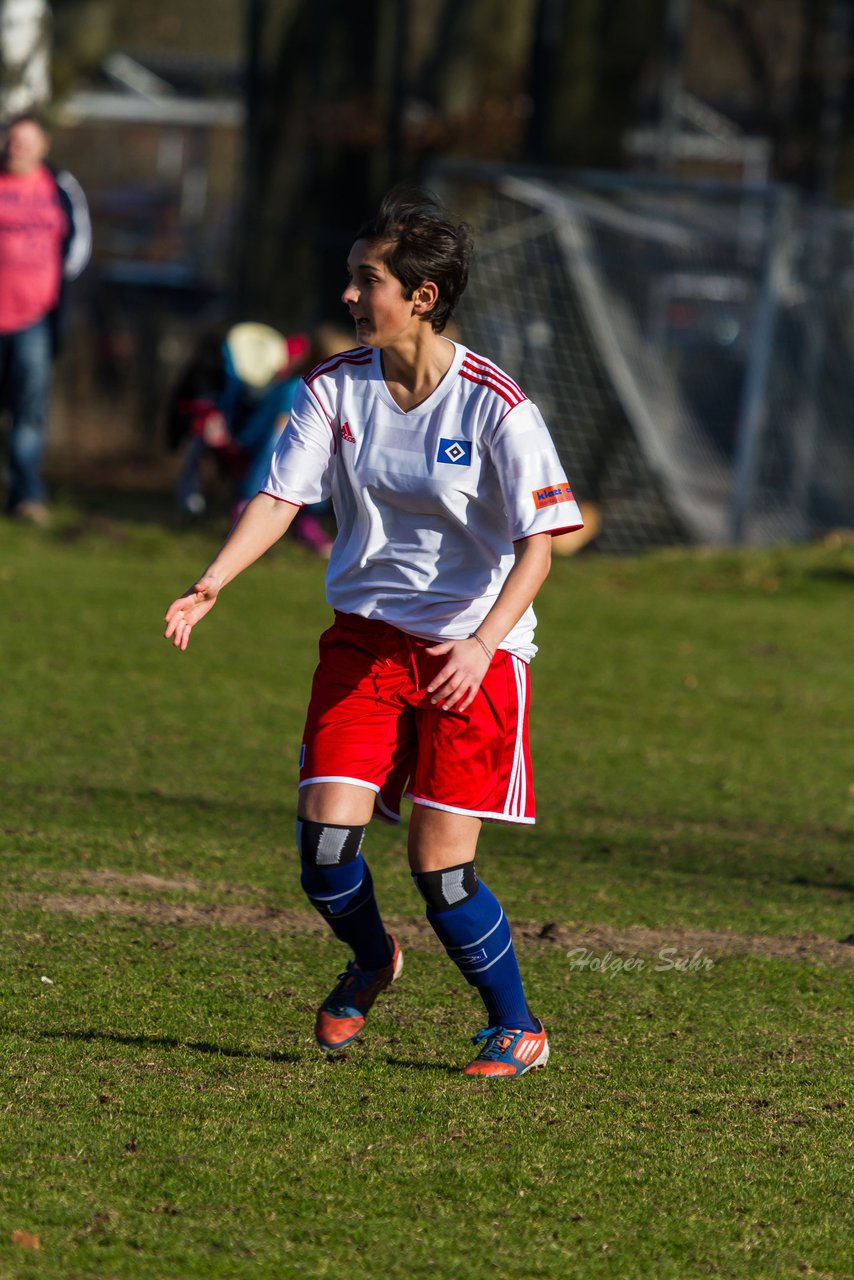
x,y
183,613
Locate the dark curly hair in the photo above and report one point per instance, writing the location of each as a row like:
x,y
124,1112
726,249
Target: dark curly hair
x,y
423,243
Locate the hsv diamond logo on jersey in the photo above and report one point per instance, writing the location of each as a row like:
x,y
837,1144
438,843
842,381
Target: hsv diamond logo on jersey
x,y
552,495
457,452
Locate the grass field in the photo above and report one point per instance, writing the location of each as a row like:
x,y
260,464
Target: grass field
x,y
680,911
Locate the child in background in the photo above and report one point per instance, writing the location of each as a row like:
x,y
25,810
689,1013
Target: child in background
x,y
231,404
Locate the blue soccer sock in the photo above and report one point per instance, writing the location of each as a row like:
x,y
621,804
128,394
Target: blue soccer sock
x,y
470,923
339,885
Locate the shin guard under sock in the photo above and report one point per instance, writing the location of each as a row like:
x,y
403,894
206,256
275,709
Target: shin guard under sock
x,y
470,924
339,885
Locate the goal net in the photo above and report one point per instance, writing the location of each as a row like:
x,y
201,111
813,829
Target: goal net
x,y
679,340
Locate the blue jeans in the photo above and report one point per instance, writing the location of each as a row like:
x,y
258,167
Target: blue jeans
x,y
26,369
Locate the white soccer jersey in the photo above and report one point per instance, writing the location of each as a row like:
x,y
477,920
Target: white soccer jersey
x,y
428,502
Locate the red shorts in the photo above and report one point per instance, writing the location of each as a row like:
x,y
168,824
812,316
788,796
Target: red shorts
x,y
370,723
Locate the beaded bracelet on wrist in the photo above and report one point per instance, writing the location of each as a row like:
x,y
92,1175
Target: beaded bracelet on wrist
x,y
483,645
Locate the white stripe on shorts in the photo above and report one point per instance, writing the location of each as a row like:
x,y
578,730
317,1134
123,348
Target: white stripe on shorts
x,y
517,791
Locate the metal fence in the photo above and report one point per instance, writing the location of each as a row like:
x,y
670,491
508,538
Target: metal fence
x,y
689,344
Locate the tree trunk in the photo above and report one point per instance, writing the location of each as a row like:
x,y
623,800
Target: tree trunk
x,y
24,55
598,51
319,126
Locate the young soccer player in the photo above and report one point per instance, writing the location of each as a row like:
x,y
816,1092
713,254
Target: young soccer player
x,y
447,490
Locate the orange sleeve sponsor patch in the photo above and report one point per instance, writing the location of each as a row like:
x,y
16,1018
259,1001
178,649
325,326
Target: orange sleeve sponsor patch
x,y
551,495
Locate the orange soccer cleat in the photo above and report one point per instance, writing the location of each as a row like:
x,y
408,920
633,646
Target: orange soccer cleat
x,y
508,1053
341,1017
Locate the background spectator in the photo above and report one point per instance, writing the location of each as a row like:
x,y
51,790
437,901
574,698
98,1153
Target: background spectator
x,y
45,240
230,405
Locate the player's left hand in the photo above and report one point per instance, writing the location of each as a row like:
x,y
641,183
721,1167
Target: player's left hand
x,y
456,685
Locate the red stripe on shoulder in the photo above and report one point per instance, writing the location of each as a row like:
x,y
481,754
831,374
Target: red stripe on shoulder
x,y
482,365
322,407
359,355
499,390
508,389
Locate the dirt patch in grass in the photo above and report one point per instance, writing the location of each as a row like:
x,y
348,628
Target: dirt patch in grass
x,y
416,933
158,911
714,943
140,880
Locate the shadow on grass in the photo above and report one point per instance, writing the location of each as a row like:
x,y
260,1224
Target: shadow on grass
x,y
836,886
104,508
228,1051
155,798
441,1068
833,573
169,1042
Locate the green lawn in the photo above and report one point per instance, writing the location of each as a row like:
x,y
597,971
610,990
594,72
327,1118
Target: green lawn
x,y
164,1112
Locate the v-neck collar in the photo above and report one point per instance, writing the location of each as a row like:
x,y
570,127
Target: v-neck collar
x,y
435,396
